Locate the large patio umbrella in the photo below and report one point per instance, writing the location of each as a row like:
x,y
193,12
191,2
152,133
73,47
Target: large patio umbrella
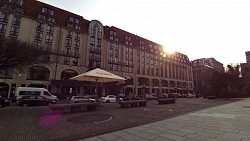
x,y
97,75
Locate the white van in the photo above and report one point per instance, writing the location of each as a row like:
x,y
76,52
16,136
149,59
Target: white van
x,y
29,91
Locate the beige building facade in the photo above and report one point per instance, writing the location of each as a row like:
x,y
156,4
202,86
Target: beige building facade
x,y
76,45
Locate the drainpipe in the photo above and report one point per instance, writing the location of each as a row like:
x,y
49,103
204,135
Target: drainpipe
x,y
57,53
58,46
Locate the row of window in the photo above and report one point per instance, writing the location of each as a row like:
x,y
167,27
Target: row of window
x,y
39,36
74,20
43,18
48,11
19,2
67,61
4,18
50,28
8,7
68,48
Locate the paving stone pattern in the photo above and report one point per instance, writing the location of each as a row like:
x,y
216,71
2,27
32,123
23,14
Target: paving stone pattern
x,y
39,124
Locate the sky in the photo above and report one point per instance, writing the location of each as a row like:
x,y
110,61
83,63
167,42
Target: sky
x,y
197,28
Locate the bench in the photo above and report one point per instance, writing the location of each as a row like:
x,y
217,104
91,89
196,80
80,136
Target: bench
x,y
211,97
74,107
133,103
166,101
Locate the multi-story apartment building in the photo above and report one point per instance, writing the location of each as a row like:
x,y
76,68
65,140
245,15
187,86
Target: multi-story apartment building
x,y
202,70
76,45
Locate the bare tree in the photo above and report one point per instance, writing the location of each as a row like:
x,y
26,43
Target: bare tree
x,y
19,55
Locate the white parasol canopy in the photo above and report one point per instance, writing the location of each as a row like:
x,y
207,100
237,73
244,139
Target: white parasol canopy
x,y
97,75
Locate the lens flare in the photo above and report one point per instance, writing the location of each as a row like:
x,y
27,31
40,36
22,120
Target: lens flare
x,y
168,50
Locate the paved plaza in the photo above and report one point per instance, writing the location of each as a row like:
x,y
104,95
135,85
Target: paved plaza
x,y
187,119
230,122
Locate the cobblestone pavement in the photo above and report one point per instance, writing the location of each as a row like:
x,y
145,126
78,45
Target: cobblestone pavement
x,y
38,124
230,122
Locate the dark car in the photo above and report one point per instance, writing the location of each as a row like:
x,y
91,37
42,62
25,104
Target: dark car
x,y
173,95
162,95
150,97
120,96
4,102
182,95
128,97
27,101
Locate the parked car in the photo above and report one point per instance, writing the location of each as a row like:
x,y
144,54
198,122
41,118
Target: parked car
x,y
31,91
150,97
27,101
120,96
162,95
81,99
108,99
173,95
130,97
4,102
182,95
189,95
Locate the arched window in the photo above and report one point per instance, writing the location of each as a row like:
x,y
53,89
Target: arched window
x,y
67,74
96,33
38,73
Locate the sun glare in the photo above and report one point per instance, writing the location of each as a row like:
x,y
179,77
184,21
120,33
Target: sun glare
x,y
168,50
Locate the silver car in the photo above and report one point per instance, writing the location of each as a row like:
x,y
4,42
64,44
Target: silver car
x,y
81,99
108,99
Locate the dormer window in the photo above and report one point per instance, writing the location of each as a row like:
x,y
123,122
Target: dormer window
x,y
50,12
141,43
77,21
127,38
19,2
71,19
111,32
44,10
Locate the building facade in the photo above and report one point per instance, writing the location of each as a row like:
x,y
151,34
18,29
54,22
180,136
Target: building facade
x,y
203,69
247,56
217,66
76,45
245,68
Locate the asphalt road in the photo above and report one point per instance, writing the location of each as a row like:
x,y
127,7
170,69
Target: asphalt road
x,y
38,124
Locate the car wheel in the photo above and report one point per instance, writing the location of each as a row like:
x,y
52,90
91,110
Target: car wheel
x,y
107,101
1,106
76,102
25,105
